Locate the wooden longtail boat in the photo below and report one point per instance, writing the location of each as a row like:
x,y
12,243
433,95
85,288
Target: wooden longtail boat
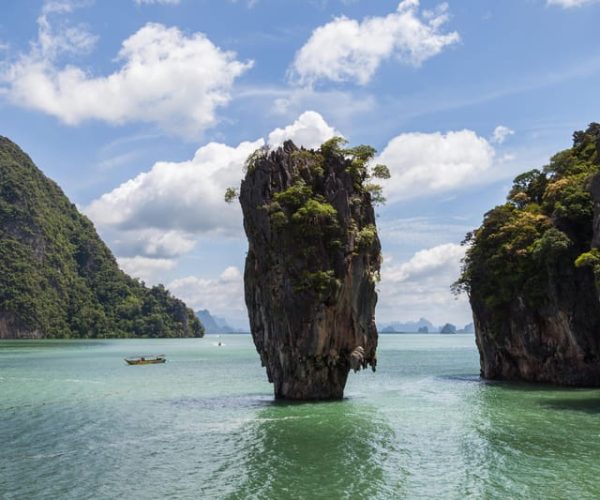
x,y
146,360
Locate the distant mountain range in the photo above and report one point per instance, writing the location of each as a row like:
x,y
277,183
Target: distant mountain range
x,y
216,324
423,326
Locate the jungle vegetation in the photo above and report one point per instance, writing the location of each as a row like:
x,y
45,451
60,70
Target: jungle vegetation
x,y
58,278
544,229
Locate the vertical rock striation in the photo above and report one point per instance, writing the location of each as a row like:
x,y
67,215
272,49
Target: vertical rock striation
x,y
311,268
532,273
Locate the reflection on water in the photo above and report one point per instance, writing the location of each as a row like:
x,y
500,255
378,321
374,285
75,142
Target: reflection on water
x,y
76,422
586,405
317,451
533,445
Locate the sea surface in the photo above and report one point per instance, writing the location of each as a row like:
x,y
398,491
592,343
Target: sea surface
x,y
77,422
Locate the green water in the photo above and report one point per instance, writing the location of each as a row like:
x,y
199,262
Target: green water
x,y
76,422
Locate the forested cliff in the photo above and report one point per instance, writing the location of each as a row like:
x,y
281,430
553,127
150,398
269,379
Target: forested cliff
x,y
58,279
532,273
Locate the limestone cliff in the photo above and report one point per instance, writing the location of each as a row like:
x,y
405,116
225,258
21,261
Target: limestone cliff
x,y
532,270
311,268
58,279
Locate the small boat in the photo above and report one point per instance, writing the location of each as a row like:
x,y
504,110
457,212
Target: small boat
x,y
146,360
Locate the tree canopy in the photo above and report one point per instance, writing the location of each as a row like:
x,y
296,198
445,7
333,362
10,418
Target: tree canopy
x,y
545,227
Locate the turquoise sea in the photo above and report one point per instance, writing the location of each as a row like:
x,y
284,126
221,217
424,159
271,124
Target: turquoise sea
x,y
77,422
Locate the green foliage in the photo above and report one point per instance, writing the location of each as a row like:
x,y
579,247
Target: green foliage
x,y
376,192
279,219
298,212
366,236
551,245
359,160
295,196
333,147
58,277
499,260
375,276
528,187
362,153
319,281
231,194
591,258
381,171
315,211
542,230
256,156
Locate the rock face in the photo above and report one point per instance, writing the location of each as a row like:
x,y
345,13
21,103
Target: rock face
x,y
532,273
311,268
58,279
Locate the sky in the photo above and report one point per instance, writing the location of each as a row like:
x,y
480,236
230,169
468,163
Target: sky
x,y
145,110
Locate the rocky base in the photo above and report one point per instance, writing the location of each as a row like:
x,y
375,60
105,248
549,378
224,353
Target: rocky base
x,y
542,348
556,342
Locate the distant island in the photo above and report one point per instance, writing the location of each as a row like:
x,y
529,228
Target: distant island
x,y
215,324
57,277
424,326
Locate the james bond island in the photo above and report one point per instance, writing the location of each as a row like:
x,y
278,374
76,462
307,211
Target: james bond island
x,y
312,265
532,273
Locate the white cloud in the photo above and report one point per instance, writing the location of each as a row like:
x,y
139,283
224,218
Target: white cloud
x,y
161,212
154,243
347,50
419,232
341,106
165,78
420,287
567,4
427,263
161,2
69,39
222,295
144,268
501,132
425,164
309,130
186,197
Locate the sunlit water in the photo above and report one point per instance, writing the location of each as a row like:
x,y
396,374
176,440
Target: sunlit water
x,y
77,422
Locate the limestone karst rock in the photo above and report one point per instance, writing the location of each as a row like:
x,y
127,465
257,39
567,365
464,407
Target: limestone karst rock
x,y
532,273
57,277
311,268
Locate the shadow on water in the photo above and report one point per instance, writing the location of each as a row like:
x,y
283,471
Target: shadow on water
x,y
511,385
468,377
585,405
229,402
316,450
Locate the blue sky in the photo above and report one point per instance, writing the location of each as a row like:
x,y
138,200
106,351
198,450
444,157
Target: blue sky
x,y
144,110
